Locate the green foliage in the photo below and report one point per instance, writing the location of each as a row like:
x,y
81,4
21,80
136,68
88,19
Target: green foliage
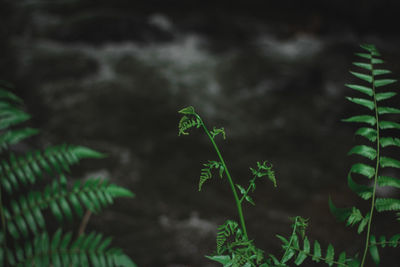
x,y
379,118
60,250
234,248
24,238
206,171
299,248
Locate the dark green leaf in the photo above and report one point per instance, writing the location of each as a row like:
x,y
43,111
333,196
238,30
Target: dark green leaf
x,y
342,258
388,181
283,239
364,151
300,258
364,191
368,133
118,191
341,214
377,61
366,66
354,217
361,76
361,101
55,242
8,96
389,162
384,96
374,251
223,259
389,125
363,223
387,204
362,118
84,152
317,252
383,82
370,48
330,253
394,240
388,110
363,169
250,200
363,89
380,72
389,141
56,210
13,117
364,55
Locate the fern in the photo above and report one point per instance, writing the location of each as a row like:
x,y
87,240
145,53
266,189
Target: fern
x,y
24,240
372,100
234,249
299,248
206,172
60,250
233,245
11,115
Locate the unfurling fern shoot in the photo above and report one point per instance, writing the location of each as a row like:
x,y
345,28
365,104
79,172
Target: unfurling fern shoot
x,y
241,251
375,120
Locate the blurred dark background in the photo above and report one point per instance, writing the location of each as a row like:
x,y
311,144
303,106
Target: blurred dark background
x,y
111,75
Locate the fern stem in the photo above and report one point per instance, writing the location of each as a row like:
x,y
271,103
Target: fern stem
x,y
230,180
291,238
84,222
376,168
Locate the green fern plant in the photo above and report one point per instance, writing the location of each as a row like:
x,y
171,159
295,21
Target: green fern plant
x,y
234,248
377,120
24,236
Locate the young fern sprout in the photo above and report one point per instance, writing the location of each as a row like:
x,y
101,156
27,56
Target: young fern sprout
x,y
234,249
240,251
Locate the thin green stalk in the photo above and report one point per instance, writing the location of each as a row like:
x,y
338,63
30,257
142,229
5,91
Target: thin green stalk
x,y
376,171
230,180
291,239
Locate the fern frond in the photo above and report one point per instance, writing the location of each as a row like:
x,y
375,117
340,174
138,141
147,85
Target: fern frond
x,y
234,249
26,215
33,166
300,251
216,131
12,115
186,123
393,242
352,216
86,250
298,247
206,172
